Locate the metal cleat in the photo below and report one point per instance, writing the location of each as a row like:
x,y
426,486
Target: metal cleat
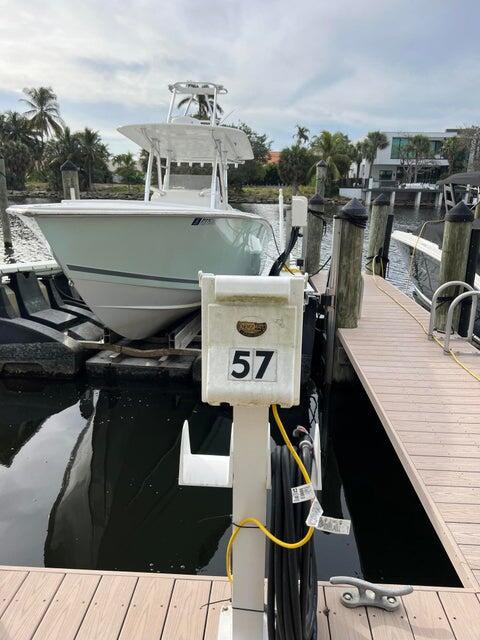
x,y
370,594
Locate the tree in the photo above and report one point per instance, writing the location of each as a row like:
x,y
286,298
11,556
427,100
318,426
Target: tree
x,y
295,165
126,168
455,149
334,150
43,111
18,161
252,171
71,146
93,153
358,154
204,103
375,140
419,148
301,135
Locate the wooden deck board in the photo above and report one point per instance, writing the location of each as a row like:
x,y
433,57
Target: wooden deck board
x,y
66,604
107,610
430,409
28,606
67,610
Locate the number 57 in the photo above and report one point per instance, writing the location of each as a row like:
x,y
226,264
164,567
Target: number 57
x,y
253,364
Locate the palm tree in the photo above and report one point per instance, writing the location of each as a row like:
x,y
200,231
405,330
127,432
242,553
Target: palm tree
x,y
375,140
419,149
333,149
358,154
301,135
204,103
43,112
91,150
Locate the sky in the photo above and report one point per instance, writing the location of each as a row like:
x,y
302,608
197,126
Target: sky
x,y
408,65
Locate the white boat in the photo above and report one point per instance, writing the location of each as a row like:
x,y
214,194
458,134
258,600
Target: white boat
x,y
136,263
424,253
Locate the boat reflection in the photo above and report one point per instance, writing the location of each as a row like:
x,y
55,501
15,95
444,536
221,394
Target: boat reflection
x,y
120,506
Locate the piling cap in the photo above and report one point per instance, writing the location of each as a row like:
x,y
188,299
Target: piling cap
x,y
382,200
460,213
68,166
316,203
354,212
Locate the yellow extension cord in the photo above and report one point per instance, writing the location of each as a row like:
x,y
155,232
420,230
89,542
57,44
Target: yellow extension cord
x,y
425,330
255,521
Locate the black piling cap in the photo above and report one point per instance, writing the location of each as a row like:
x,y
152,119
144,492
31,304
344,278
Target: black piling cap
x,y
316,203
381,200
68,166
460,213
354,212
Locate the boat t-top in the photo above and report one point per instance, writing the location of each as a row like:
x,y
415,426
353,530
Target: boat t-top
x,y
136,263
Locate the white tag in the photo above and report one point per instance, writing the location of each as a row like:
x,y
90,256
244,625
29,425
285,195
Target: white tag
x,y
314,514
302,493
333,525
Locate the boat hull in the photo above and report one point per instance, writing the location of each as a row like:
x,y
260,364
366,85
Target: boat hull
x,y
139,272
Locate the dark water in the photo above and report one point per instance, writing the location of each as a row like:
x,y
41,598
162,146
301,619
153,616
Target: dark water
x,y
88,476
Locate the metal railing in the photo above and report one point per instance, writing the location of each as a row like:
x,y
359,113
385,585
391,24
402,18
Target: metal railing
x,y
470,293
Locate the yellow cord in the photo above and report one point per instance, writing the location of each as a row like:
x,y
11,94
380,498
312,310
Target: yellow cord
x,y
425,330
255,521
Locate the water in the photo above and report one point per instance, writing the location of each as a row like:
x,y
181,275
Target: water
x,y
88,475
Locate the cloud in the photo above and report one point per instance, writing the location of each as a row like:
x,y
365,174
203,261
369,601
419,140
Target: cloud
x,y
354,66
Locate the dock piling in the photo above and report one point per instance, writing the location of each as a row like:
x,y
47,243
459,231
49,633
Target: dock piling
x,y
348,283
453,265
316,207
70,183
376,236
6,229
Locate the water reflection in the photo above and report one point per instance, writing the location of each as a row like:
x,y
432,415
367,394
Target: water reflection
x,y
120,506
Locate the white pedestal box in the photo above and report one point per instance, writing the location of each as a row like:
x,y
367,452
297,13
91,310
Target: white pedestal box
x,y
251,339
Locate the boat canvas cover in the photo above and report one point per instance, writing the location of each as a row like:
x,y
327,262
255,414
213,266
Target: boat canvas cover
x,y
471,178
190,142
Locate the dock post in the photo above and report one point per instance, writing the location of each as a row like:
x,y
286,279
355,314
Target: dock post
x,y
350,226
316,207
453,265
471,272
70,184
418,199
7,232
392,198
368,198
477,211
376,236
438,199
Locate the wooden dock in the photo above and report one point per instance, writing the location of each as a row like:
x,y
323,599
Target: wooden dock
x,y
430,409
55,604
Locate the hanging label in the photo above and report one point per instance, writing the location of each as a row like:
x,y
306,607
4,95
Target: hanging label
x,y
333,525
314,514
302,493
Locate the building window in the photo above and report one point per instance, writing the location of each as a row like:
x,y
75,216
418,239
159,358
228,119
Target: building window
x,y
436,148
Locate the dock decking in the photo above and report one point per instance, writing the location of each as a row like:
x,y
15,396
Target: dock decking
x,y
430,409
57,604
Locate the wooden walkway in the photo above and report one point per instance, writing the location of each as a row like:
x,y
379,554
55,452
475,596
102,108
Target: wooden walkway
x,y
54,604
430,409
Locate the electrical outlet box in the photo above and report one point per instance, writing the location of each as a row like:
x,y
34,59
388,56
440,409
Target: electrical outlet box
x,y
252,339
299,211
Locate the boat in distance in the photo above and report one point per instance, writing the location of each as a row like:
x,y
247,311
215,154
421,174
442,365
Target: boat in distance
x,y
136,263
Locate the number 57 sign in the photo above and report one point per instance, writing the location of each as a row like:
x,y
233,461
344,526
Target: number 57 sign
x,y
253,364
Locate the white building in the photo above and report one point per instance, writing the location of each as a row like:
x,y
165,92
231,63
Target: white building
x,y
388,164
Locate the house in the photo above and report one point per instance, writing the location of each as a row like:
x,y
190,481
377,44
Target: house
x,y
390,164
273,157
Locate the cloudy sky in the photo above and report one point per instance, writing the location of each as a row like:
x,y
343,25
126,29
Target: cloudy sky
x,y
342,64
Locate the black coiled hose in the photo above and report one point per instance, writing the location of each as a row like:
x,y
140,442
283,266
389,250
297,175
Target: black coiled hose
x,y
292,575
283,257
